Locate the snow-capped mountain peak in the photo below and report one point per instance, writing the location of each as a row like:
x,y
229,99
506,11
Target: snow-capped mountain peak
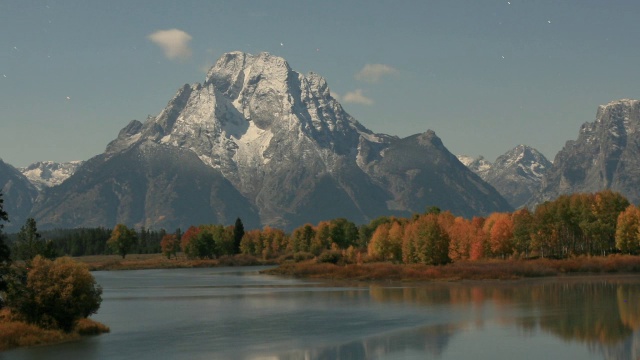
x,y
516,175
45,174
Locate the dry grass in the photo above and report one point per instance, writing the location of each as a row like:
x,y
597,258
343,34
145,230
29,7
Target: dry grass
x,y
15,333
159,261
471,270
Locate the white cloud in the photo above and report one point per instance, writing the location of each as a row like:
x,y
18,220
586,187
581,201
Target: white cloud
x,y
357,97
374,72
174,43
335,95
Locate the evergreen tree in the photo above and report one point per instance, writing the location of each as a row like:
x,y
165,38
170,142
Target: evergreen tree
x,y
238,233
29,243
5,254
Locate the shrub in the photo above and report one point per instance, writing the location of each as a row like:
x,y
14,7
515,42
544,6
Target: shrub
x,y
56,294
302,256
330,256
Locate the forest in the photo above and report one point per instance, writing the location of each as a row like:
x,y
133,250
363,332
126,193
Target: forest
x,y
594,224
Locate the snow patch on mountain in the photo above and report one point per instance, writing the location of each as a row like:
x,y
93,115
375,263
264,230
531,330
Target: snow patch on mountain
x,y
45,174
517,174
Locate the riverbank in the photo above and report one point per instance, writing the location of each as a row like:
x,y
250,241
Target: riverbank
x,y
159,261
465,270
15,333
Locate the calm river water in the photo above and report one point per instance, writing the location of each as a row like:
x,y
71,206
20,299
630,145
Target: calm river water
x,y
236,313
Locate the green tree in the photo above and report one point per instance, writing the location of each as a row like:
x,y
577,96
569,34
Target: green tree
x,y
301,238
426,241
238,233
202,245
56,293
29,242
122,240
5,254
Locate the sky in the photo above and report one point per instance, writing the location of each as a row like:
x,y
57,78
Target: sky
x,y
484,75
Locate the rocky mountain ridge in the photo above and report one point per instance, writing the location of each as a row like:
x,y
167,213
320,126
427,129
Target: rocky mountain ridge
x,y
517,174
606,155
43,174
284,144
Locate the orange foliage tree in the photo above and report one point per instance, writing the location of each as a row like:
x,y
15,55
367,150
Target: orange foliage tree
x,y
627,230
169,245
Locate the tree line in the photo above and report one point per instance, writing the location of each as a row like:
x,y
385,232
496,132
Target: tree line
x,y
579,224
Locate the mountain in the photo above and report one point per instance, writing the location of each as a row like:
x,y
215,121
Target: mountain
x,y
606,155
517,174
43,174
18,194
478,165
151,185
277,143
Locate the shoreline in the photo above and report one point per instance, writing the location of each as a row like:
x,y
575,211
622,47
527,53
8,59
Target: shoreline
x,y
159,261
16,334
467,270
462,270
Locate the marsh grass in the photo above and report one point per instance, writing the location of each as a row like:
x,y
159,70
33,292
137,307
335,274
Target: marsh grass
x,y
15,333
159,261
464,270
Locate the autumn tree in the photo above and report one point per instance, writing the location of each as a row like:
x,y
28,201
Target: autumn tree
x,y
379,246
501,235
627,230
461,235
251,243
301,238
478,241
122,240
170,245
274,242
322,240
365,232
607,207
396,233
426,242
185,240
56,293
201,244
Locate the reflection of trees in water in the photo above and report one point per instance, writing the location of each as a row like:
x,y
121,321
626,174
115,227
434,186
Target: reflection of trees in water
x,y
600,313
587,312
432,340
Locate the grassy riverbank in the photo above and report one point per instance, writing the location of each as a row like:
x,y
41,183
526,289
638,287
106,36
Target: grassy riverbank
x,y
470,270
159,261
15,333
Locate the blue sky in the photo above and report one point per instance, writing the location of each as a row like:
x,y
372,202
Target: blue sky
x,y
484,75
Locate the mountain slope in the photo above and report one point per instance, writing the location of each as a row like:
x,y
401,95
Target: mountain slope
x,y
18,194
288,147
147,185
606,155
517,174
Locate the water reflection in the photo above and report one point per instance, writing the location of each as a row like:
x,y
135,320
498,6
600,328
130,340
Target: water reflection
x,y
239,314
604,314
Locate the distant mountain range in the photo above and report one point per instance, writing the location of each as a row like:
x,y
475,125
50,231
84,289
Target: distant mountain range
x,y
260,141
516,175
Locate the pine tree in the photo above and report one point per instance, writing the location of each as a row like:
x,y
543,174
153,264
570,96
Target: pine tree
x,y
238,233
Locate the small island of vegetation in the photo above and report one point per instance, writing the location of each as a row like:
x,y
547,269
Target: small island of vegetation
x,y
44,301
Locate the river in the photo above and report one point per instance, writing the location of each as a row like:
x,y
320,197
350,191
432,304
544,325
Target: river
x,y
237,313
